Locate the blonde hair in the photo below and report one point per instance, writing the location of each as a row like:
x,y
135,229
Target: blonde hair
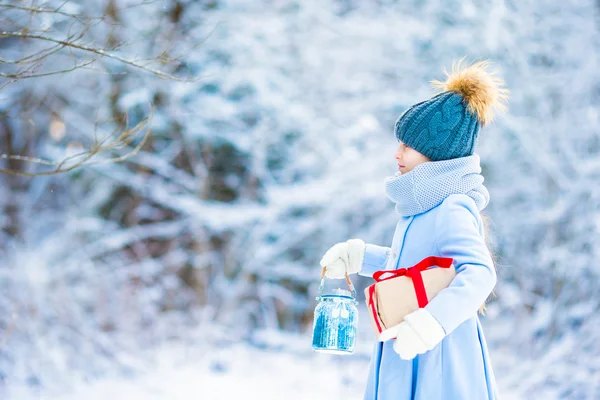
x,y
486,224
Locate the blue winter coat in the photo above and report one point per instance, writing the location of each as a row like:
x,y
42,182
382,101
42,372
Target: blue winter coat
x,y
459,367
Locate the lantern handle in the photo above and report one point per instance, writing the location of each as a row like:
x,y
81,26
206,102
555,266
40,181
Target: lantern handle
x,y
348,281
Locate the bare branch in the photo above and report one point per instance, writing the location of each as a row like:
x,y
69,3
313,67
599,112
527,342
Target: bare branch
x,y
79,17
61,6
42,54
5,84
21,76
27,159
57,10
163,54
48,10
123,140
100,52
11,325
74,40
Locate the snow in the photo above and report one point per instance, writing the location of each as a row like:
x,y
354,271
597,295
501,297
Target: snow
x,y
111,275
274,365
236,372
269,364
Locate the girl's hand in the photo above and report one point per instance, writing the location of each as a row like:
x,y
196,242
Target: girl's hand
x,y
341,258
417,334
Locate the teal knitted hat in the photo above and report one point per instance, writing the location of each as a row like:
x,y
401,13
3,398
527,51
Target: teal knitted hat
x,y
447,125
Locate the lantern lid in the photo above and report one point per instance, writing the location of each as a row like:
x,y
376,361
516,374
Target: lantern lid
x,y
339,293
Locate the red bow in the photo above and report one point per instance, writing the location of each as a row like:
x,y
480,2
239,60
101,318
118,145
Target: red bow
x,y
414,273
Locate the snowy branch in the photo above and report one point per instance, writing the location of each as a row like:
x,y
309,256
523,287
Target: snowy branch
x,y
98,51
85,158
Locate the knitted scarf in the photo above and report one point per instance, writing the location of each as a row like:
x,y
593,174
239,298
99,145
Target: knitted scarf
x,y
429,183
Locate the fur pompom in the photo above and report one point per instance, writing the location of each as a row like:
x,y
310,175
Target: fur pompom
x,y
483,92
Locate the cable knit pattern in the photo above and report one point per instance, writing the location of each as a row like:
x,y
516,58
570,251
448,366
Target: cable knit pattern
x,y
441,128
429,183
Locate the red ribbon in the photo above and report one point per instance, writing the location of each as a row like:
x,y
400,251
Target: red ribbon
x,y
414,273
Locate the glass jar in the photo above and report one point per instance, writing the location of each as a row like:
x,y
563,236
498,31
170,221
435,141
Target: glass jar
x,y
335,322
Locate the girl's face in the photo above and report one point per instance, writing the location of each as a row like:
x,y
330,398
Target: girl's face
x,y
408,158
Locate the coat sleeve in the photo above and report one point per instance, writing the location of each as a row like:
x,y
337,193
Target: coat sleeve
x,y
376,258
458,235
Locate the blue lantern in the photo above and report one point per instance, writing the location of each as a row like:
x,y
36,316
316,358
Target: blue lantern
x,y
335,320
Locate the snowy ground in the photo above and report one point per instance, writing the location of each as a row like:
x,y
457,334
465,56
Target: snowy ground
x,y
271,365
234,371
239,371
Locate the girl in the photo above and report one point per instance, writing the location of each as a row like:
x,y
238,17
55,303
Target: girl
x,y
440,352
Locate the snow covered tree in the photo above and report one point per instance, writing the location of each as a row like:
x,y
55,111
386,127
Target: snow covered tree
x,y
48,38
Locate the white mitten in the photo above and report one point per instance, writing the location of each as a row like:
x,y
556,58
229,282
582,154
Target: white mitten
x,y
417,334
342,258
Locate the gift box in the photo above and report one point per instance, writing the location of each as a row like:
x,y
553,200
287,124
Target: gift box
x,y
399,292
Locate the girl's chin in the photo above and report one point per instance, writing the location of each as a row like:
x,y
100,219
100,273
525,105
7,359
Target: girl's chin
x,y
398,173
